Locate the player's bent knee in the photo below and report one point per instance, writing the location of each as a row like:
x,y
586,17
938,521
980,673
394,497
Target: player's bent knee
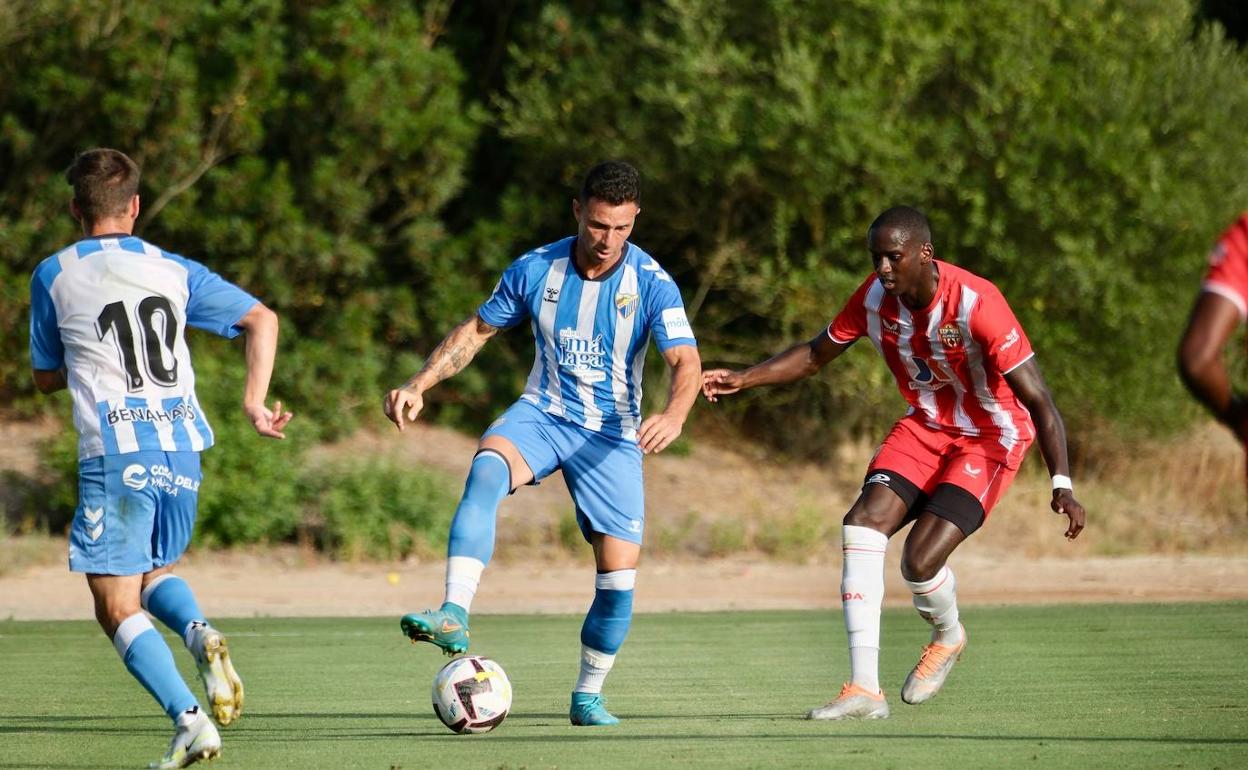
x,y
920,567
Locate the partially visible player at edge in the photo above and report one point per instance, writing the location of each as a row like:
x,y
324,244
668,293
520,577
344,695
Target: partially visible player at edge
x,y
967,370
594,300
108,321
1220,308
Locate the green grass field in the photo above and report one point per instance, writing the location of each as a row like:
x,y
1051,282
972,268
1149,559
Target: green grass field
x,y
1125,686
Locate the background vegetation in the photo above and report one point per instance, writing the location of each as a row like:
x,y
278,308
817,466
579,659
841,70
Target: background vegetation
x,y
368,168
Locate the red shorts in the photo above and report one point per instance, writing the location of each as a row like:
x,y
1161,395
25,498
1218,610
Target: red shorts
x,y
928,458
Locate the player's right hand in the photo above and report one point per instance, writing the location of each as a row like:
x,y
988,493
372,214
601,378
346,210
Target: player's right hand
x,y
719,382
400,400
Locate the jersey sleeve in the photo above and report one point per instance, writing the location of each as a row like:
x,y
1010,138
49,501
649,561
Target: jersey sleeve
x,y
851,322
47,351
665,310
999,334
214,304
1228,267
506,305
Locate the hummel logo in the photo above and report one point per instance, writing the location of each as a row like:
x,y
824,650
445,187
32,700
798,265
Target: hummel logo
x,y
552,294
971,470
879,478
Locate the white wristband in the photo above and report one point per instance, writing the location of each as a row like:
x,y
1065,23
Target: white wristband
x,y
1062,482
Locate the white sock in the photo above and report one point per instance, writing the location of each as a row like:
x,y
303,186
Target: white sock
x,y
937,601
463,575
862,594
594,669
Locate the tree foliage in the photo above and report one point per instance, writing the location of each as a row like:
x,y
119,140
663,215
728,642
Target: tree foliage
x,y
367,168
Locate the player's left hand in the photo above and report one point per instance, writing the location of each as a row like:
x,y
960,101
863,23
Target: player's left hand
x,y
266,422
657,432
1064,502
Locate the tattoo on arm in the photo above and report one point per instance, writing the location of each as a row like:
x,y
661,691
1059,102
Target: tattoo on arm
x,y
454,353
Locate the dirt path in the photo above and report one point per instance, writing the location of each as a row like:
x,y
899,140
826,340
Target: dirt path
x,y
282,584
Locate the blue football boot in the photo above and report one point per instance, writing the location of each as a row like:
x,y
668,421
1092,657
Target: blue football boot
x,y
446,628
589,710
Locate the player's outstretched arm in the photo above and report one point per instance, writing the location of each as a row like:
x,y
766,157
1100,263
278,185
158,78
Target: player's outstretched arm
x,y
798,362
1028,384
449,358
660,430
1214,319
261,326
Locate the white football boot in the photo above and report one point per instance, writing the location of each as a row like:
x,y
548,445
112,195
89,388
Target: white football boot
x,y
197,739
221,682
854,702
926,679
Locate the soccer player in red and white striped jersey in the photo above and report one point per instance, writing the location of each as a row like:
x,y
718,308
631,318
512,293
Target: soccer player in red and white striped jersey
x,y
976,401
1220,308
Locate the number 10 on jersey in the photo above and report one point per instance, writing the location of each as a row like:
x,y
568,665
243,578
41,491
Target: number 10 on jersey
x,y
156,341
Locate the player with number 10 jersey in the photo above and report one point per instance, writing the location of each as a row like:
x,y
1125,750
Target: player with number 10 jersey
x,y
112,312
108,319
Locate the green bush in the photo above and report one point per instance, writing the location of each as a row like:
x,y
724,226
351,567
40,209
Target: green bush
x,y
370,510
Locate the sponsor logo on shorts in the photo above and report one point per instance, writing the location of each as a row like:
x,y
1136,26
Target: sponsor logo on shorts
x,y
971,470
634,526
879,478
134,476
137,477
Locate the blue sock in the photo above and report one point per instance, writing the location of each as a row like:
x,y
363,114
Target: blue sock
x,y
472,530
611,614
149,660
170,599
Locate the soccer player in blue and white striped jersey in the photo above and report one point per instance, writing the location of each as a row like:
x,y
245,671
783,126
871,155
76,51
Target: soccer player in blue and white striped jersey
x,y
108,321
594,301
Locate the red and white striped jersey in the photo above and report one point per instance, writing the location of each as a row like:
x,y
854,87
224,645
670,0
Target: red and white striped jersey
x,y
1228,266
950,359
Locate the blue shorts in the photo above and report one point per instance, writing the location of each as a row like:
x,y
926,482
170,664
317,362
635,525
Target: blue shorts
x,y
602,473
135,512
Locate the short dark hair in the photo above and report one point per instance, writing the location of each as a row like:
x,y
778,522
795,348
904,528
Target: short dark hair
x,y
905,219
104,181
612,181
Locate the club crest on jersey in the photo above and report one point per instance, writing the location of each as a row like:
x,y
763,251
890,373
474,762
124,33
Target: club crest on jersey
x,y
626,304
583,357
950,335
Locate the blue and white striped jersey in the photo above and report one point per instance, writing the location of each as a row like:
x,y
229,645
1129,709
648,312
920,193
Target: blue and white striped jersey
x,y
113,312
591,335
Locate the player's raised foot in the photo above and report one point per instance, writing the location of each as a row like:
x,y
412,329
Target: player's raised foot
x,y
195,741
854,702
590,710
446,628
221,683
934,666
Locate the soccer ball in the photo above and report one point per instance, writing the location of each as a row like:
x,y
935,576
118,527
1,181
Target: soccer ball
x,y
471,694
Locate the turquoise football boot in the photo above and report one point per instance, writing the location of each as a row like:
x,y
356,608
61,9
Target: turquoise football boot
x,y
589,710
446,628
